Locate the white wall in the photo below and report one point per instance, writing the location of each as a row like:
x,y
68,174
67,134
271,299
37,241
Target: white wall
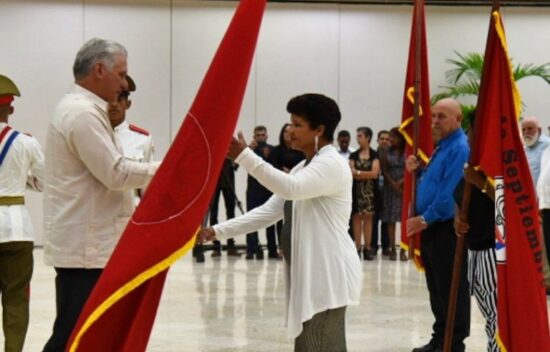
x,y
354,53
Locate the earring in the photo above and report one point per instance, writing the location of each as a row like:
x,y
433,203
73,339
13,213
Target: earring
x,y
316,144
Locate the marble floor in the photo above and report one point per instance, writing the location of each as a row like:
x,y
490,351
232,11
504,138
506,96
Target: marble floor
x,y
231,305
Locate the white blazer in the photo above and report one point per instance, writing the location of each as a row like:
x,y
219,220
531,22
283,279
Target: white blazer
x,y
325,272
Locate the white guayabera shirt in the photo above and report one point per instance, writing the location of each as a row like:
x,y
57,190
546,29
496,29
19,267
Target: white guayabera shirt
x,y
86,178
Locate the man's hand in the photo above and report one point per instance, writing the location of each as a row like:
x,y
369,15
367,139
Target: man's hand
x,y
206,234
415,225
461,227
412,163
236,147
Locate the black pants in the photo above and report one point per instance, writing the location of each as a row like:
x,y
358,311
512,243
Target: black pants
x,y
230,202
546,231
252,240
438,247
383,232
72,288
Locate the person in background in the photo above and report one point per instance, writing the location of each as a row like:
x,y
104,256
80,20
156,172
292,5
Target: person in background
x,y
225,187
256,195
323,273
535,143
393,168
343,140
383,141
365,168
136,142
284,158
86,182
21,167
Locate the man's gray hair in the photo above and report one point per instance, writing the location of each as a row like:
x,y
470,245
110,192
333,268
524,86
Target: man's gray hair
x,y
93,51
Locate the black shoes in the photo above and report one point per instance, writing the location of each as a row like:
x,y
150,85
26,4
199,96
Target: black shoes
x,y
259,254
233,252
427,348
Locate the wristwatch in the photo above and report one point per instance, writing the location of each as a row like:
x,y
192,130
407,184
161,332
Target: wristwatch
x,y
422,220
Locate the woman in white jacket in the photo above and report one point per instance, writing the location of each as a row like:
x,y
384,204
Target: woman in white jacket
x,y
324,274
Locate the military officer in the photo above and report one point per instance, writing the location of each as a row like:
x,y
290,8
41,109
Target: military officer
x,y
136,142
21,166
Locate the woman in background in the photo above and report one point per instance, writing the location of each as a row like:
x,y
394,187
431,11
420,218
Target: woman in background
x,y
393,166
365,168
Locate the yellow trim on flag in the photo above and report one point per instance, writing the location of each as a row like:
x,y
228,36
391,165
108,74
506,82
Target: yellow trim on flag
x,y
502,37
500,344
129,287
419,267
410,120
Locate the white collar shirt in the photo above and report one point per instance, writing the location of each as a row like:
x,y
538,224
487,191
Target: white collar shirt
x,y
86,177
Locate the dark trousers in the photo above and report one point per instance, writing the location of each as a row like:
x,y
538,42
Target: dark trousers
x,y
546,231
72,288
252,240
230,202
438,245
16,264
383,233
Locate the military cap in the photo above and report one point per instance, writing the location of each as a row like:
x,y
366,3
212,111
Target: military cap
x,y
7,87
131,84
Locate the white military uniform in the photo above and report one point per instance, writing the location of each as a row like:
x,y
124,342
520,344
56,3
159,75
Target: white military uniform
x,y
137,145
22,168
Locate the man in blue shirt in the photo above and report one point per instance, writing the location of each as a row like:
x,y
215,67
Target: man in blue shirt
x,y
435,209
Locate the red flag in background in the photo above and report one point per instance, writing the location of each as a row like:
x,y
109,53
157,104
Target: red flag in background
x,y
424,142
522,313
121,310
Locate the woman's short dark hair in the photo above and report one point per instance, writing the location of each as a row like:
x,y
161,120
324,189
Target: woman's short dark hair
x,y
318,110
366,131
282,135
402,142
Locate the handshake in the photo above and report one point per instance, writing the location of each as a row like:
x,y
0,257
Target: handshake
x,y
206,234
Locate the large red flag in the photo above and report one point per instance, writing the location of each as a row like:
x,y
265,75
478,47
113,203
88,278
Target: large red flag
x,y
120,312
522,315
424,142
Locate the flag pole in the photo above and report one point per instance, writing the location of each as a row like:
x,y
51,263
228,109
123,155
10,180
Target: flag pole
x,y
416,112
463,215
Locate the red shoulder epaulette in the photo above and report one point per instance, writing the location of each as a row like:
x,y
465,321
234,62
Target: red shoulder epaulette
x,y
138,129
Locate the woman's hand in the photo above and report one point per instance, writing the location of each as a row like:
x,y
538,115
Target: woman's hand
x,y
236,146
206,234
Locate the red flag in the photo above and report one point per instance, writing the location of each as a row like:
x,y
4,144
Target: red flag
x,y
120,312
425,145
522,313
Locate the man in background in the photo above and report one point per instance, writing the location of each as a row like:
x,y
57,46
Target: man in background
x,y
343,140
535,143
384,144
136,142
256,195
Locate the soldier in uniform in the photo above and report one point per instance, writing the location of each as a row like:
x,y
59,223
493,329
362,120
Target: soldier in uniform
x,y
136,142
21,166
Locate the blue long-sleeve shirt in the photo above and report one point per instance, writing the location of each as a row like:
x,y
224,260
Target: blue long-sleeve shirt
x,y
434,200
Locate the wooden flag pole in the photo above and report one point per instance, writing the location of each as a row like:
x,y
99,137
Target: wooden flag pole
x,y
416,111
459,251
